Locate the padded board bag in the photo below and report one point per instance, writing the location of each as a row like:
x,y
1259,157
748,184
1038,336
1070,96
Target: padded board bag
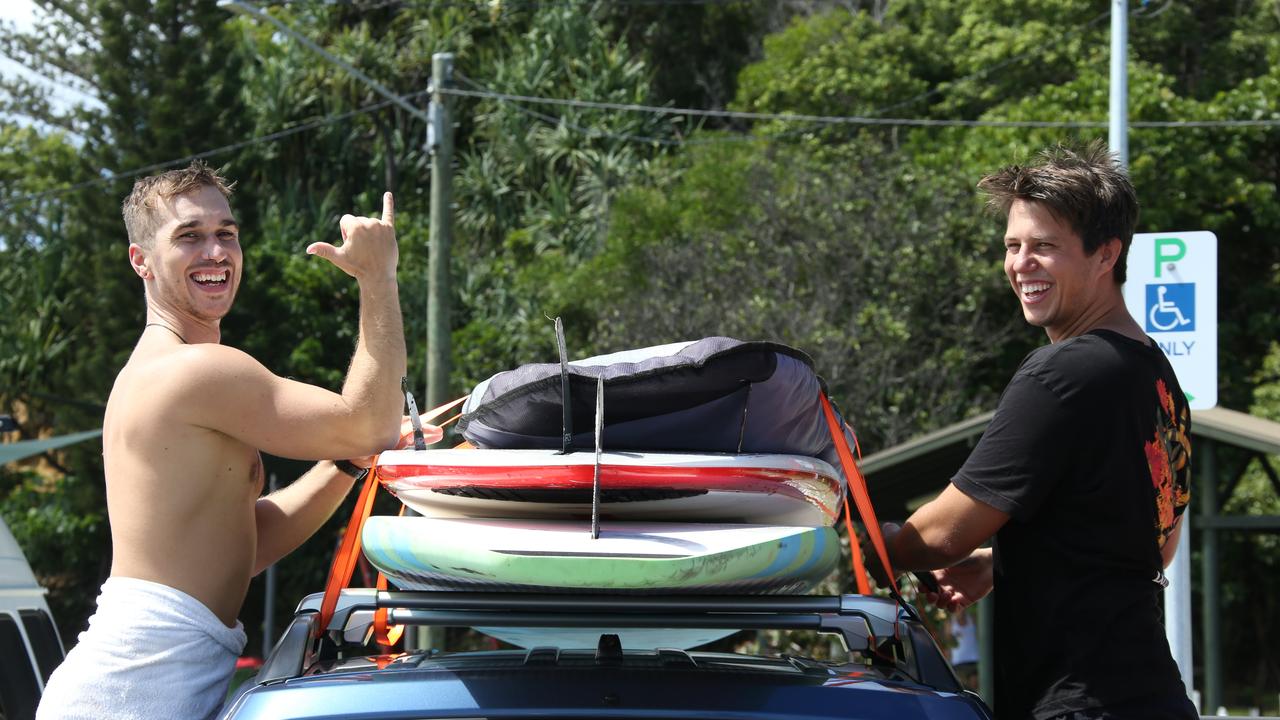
x,y
717,394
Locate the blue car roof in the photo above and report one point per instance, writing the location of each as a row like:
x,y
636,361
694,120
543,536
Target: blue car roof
x,y
663,684
889,666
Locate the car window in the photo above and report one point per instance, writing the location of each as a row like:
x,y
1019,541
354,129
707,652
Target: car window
x,y
44,640
19,689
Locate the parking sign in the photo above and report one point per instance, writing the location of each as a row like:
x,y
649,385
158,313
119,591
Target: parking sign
x,y
1172,290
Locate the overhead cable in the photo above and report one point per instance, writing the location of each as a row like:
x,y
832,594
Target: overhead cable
x,y
625,137
846,119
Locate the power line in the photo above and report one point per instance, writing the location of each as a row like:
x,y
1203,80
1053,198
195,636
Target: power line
x,y
252,11
846,119
591,132
624,137
272,137
815,120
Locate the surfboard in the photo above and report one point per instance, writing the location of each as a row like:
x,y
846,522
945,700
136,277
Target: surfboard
x,y
420,553
790,490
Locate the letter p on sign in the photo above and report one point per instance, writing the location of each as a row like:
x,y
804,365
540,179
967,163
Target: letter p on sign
x,y
1169,250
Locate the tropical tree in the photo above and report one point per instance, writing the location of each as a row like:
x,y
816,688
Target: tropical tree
x,y
1048,61
874,271
160,83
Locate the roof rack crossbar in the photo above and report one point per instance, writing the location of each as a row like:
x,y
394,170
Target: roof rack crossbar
x,y
874,627
878,615
575,603
483,618
855,629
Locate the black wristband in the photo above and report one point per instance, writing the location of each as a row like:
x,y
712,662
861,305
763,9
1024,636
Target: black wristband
x,y
351,469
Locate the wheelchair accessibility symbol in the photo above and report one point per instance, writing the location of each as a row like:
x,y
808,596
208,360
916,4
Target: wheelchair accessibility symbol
x,y
1171,308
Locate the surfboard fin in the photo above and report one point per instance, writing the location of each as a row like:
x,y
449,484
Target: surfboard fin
x,y
595,482
415,419
566,427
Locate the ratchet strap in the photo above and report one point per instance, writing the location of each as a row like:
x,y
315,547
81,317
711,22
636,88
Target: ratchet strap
x,y
857,489
344,561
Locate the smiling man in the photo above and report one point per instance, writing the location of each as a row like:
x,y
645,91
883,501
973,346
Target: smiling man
x,y
1082,475
184,425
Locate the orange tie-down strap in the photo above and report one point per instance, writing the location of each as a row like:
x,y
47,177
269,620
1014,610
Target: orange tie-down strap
x,y
862,498
385,635
344,561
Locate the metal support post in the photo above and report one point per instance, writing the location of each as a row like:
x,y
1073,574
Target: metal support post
x,y
1177,607
1211,612
439,351
440,139
1118,137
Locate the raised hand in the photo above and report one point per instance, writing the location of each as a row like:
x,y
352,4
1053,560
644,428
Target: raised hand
x,y
369,250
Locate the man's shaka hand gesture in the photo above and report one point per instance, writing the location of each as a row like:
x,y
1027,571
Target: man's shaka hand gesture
x,y
368,250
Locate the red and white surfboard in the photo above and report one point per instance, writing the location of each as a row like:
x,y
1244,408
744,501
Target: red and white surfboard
x,y
762,489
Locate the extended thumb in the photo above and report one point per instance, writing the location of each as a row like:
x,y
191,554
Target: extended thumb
x,y
323,249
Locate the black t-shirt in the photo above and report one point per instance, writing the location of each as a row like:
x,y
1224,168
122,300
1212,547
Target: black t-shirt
x,y
1088,452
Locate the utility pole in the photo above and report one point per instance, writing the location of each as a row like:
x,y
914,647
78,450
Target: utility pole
x,y
1118,137
440,143
439,288
1177,595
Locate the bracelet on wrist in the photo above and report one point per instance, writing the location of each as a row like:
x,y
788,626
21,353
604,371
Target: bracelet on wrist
x,y
352,469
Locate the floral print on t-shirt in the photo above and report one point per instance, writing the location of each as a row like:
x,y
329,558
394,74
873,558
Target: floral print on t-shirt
x,y
1169,459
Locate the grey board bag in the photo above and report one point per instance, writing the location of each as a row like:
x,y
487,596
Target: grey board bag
x,y
717,394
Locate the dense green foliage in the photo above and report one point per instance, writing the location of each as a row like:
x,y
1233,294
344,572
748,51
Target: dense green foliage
x,y
840,253
862,244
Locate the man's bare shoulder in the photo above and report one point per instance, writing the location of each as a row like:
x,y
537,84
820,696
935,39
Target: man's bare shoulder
x,y
205,374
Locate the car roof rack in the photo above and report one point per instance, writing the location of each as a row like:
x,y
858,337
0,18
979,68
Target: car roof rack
x,y
876,631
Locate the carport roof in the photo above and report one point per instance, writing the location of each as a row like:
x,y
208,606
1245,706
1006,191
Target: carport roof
x,y
901,475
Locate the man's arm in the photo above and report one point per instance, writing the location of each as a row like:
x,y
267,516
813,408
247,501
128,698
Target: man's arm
x,y
224,389
943,532
379,362
943,536
287,517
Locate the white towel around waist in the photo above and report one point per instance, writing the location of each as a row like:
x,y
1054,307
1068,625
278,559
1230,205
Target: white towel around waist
x,y
151,652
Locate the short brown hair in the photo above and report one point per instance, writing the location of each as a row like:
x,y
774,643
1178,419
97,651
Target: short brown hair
x,y
1083,186
140,207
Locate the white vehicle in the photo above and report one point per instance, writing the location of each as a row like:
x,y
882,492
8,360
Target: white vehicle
x,y
30,647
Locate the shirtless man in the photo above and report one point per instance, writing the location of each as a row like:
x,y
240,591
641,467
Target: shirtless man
x,y
184,425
